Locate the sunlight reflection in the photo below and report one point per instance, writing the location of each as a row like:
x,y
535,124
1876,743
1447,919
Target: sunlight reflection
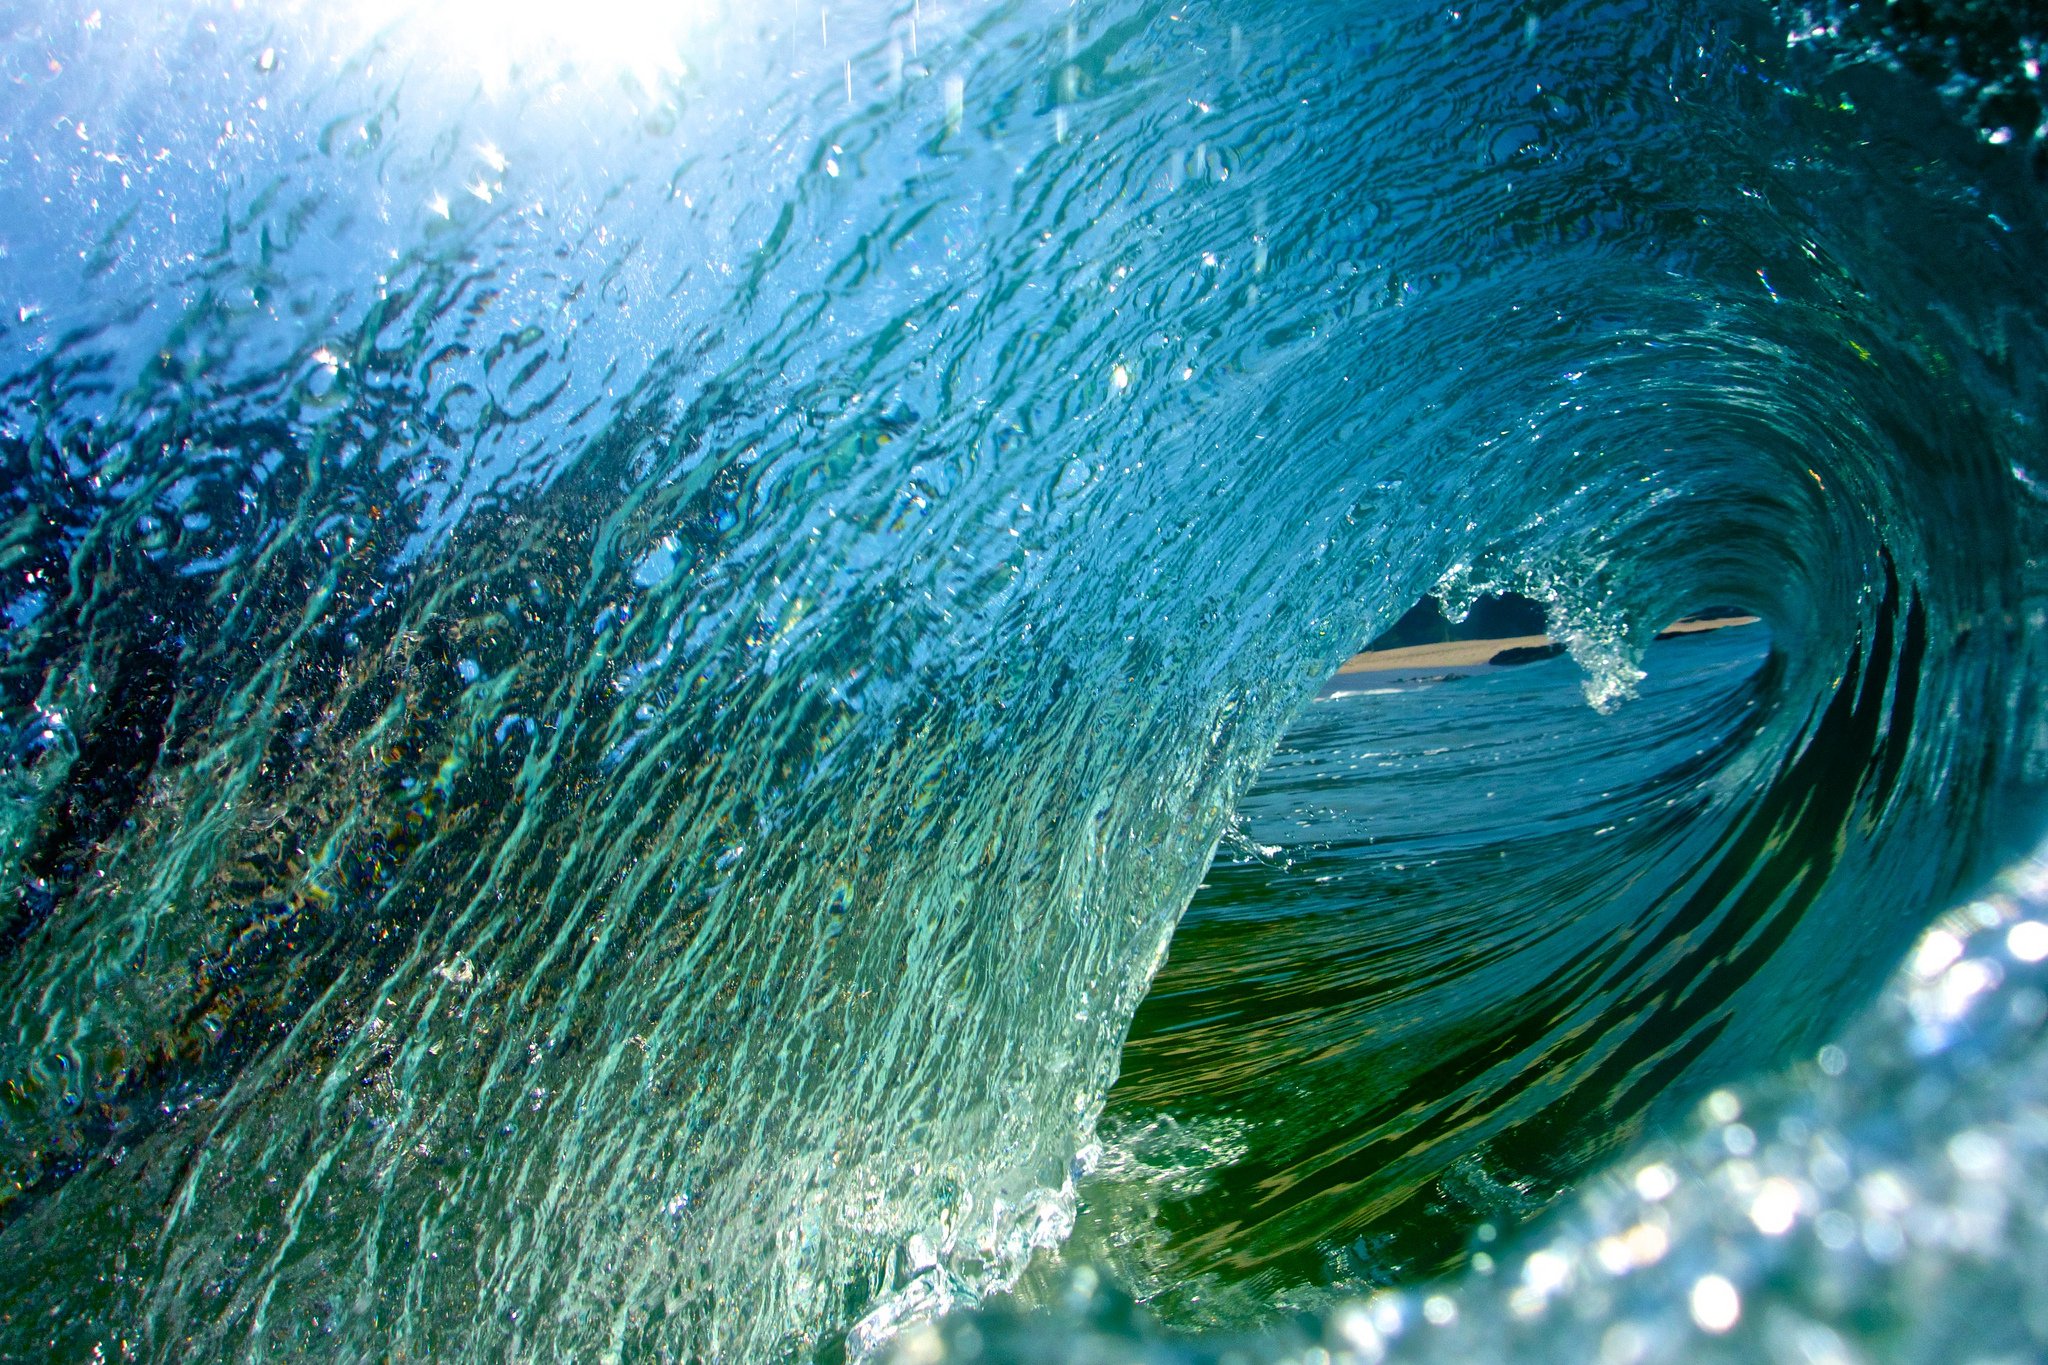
x,y
590,40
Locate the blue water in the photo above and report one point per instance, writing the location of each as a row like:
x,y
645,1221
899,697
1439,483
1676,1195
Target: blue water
x,y
1431,978
627,631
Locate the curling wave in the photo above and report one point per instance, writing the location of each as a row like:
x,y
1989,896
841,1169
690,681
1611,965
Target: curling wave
x,y
615,678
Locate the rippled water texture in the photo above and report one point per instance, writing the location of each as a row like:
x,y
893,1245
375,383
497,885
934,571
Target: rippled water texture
x,y
1466,933
626,633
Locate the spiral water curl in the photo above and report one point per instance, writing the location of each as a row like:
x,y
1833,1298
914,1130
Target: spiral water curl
x,y
618,679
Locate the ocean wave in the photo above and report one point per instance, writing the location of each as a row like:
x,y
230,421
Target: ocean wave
x,y
622,655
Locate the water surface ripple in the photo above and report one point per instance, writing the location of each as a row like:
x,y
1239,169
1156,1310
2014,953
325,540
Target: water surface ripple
x,y
619,658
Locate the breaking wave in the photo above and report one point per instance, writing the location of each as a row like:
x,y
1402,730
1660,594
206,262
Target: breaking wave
x,y
621,656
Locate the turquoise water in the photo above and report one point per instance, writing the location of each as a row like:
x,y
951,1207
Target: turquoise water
x,y
628,631
1428,983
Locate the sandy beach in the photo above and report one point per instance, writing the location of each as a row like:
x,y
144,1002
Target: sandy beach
x,y
1476,653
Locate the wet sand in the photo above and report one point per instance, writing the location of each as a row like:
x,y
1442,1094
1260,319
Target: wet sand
x,y
1478,653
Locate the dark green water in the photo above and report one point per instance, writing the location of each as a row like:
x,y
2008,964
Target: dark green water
x,y
1418,993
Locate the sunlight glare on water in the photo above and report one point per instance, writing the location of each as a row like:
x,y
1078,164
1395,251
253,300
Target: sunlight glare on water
x,y
595,41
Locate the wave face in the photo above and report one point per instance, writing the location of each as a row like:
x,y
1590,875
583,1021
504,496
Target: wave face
x,y
624,640
1428,982
1873,1202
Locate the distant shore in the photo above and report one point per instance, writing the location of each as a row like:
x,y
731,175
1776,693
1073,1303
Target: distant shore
x,y
1510,650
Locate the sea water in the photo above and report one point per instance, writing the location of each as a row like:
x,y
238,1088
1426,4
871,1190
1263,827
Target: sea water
x,y
1417,994
628,628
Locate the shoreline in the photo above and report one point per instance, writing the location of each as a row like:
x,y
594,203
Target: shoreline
x,y
1480,653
